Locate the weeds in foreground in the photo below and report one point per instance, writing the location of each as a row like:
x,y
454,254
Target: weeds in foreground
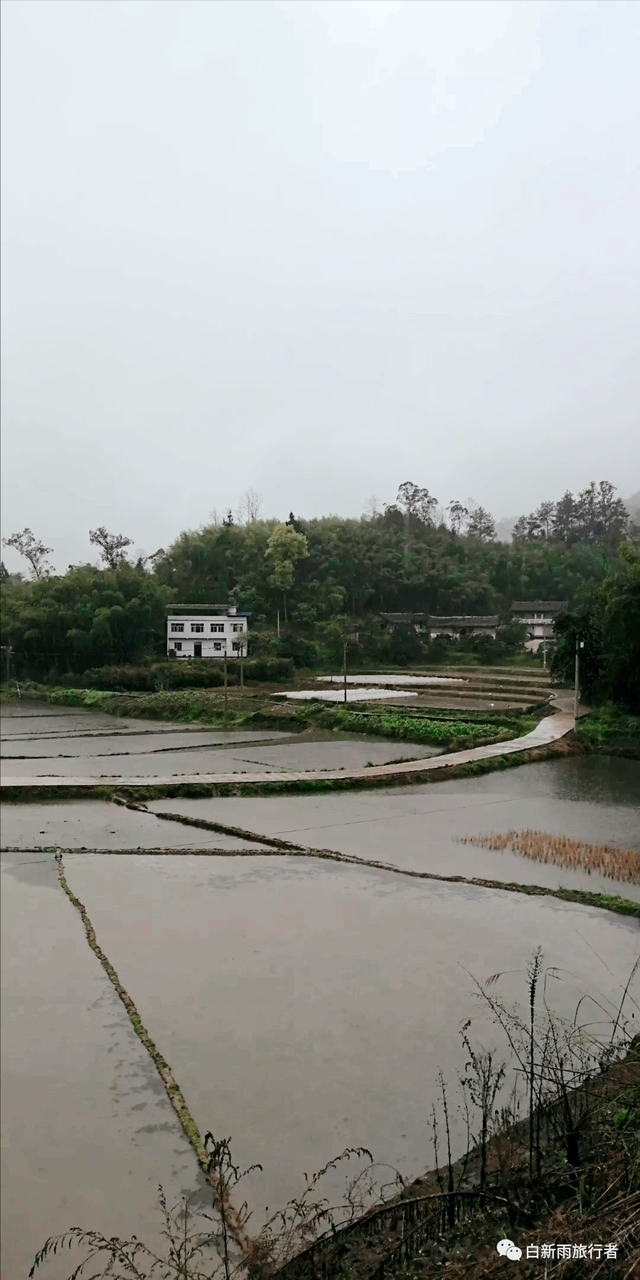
x,y
552,1148
614,861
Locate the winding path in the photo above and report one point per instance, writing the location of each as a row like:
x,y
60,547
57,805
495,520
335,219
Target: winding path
x,y
548,731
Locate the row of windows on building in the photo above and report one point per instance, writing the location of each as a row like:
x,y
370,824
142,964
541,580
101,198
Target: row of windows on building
x,y
237,644
198,627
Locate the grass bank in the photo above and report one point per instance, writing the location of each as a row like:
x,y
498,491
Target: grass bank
x,y
608,731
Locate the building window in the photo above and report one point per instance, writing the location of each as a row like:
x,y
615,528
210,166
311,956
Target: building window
x,y
217,626
237,644
178,645
217,644
177,626
197,626
236,626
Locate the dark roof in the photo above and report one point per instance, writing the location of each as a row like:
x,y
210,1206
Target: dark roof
x,y
466,620
550,605
405,617
207,608
453,620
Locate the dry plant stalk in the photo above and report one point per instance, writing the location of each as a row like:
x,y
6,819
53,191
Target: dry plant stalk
x,y
614,861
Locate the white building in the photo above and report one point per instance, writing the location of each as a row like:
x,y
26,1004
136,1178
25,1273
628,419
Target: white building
x,y
537,616
206,631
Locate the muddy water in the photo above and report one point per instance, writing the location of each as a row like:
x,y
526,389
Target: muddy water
x,y
87,1131
135,756
398,679
95,824
304,1006
420,827
307,1007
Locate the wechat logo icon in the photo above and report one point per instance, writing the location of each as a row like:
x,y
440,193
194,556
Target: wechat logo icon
x,y
507,1249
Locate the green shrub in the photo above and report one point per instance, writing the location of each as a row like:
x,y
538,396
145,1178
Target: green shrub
x,y
194,674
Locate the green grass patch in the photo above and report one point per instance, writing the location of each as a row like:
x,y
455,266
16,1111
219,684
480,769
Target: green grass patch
x,y
610,732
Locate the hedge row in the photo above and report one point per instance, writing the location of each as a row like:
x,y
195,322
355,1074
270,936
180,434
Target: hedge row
x,y
193,674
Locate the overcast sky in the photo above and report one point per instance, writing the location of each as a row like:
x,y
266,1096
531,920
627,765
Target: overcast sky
x,y
317,249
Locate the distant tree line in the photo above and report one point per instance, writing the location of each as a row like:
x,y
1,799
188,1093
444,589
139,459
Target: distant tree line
x,y
321,578
595,516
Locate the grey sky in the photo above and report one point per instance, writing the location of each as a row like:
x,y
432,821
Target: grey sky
x,y
317,249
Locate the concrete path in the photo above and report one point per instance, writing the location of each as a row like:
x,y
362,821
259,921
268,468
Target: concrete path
x,y
549,730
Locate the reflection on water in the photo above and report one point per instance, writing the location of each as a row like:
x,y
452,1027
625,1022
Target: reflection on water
x,y
87,1129
306,1007
602,780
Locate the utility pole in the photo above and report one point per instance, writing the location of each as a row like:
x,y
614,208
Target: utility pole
x,y
226,692
576,694
344,668
544,652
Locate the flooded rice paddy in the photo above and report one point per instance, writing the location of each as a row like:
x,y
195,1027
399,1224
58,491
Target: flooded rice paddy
x,y
65,746
303,1005
352,695
397,679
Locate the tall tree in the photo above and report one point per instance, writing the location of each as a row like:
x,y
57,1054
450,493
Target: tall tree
x,y
111,546
520,529
33,551
458,514
481,525
249,506
416,502
285,548
606,620
565,519
540,523
612,517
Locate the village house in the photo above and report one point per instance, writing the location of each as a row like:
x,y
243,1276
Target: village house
x,y
537,616
206,631
454,626
464,625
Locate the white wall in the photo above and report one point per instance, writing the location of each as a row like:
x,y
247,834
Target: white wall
x,y
235,630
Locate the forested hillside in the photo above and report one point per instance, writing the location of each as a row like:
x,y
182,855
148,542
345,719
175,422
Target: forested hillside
x,y
308,575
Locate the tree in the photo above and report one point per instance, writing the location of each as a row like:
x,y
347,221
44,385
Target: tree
x,y
111,546
481,525
541,521
416,502
84,618
604,518
565,519
249,506
607,621
457,514
32,550
520,529
285,547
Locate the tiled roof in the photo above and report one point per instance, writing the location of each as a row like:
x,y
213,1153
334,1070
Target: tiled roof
x,y
553,606
466,620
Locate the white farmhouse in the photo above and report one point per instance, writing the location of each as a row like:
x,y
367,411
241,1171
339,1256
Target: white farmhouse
x,y
537,616
206,631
